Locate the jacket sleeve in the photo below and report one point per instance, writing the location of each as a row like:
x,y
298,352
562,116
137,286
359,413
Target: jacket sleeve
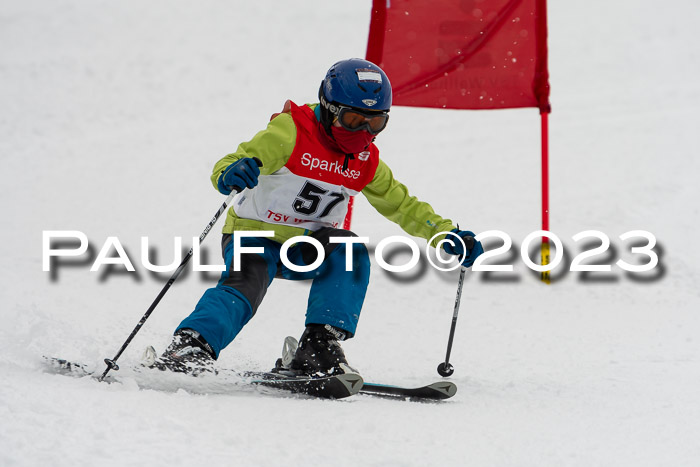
x,y
272,146
392,200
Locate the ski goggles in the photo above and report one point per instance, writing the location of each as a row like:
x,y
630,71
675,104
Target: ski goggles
x,y
354,120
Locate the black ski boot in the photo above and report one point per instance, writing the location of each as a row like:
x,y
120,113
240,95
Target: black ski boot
x,y
319,352
187,353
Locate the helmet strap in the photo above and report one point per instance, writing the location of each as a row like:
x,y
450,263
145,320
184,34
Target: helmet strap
x,y
326,115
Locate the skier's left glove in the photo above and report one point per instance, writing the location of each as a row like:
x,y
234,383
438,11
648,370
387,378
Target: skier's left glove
x,y
241,174
474,248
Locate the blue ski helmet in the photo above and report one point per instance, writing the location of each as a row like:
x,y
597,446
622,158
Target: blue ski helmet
x,y
355,83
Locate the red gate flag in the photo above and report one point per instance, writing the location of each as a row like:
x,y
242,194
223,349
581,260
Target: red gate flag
x,y
466,54
462,54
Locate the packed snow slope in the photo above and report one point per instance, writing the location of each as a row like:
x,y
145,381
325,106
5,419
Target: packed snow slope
x,y
112,116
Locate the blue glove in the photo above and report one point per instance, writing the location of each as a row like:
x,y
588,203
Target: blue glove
x,y
474,248
241,174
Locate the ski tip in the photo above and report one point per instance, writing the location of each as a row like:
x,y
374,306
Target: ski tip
x,y
445,388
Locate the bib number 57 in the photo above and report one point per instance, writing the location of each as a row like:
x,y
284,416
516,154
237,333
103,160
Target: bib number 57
x,y
312,197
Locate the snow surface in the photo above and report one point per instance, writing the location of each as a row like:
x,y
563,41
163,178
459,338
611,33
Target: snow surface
x,y
113,114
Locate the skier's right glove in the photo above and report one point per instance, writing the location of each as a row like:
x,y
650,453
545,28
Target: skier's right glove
x,y
474,248
241,174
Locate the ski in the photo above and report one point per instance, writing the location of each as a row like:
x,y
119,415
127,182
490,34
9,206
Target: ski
x,y
433,392
327,387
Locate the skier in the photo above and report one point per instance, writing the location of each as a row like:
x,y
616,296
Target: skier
x,y
314,158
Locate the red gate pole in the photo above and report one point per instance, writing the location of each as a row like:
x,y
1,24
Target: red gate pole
x,y
348,216
545,192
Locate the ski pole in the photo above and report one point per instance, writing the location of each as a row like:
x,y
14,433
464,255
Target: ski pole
x,y
445,369
112,363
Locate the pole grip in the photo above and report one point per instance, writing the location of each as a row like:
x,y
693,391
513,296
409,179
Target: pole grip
x,y
236,188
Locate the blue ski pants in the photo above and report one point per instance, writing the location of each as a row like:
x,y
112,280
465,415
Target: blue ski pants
x,y
335,298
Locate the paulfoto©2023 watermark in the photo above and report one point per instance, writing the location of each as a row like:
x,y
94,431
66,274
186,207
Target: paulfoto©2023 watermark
x,y
647,257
